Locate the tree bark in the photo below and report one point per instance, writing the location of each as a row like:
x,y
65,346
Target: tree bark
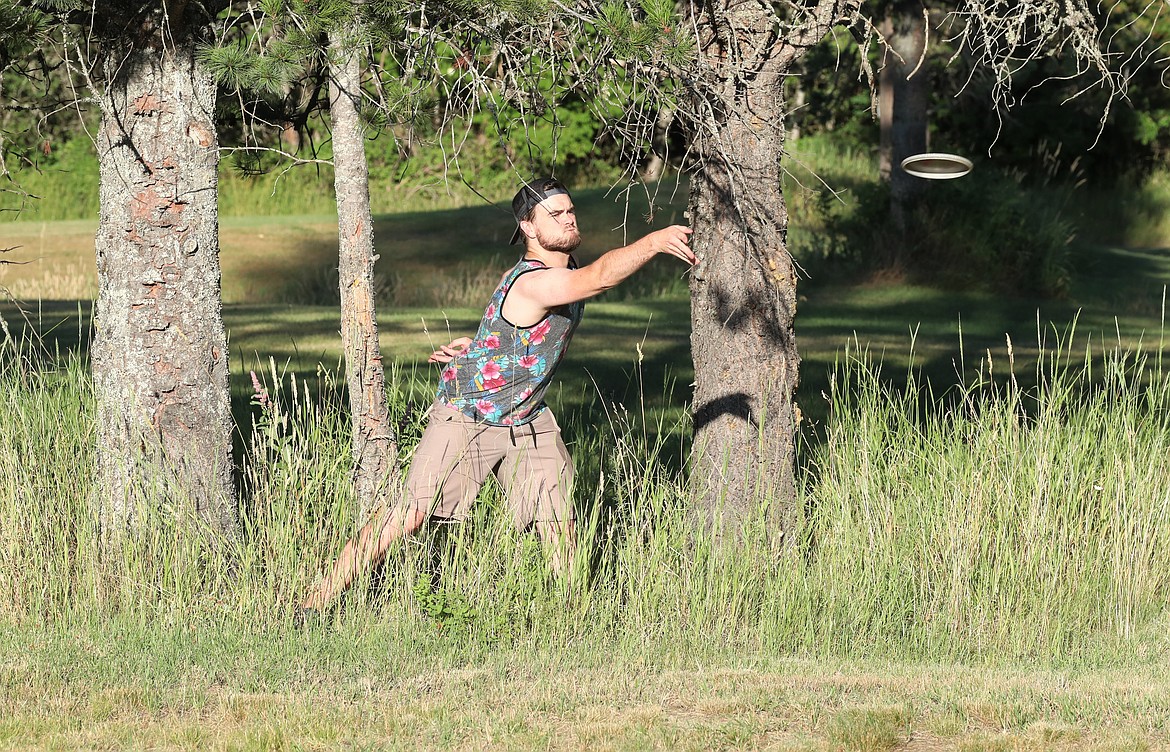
x,y
886,107
374,442
159,357
908,112
743,293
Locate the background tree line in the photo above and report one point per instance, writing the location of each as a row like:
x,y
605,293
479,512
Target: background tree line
x,y
40,127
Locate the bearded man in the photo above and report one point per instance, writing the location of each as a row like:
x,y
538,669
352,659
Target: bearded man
x,y
489,415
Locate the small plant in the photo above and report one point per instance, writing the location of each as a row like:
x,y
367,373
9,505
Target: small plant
x,y
868,729
446,608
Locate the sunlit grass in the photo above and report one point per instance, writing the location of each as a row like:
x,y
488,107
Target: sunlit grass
x,y
997,502
89,686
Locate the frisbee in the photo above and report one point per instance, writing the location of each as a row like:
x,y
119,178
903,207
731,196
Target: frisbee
x,y
936,166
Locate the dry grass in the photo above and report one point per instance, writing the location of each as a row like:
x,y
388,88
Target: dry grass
x,y
538,703
260,264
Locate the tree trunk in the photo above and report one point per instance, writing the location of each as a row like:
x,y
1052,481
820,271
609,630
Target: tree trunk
x,y
655,162
375,445
886,107
160,359
743,293
911,97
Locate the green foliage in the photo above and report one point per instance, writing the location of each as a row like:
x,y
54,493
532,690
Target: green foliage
x,y
283,62
834,201
535,11
445,607
1015,234
232,64
986,232
314,17
61,6
424,86
1053,99
656,33
257,183
22,29
989,231
1135,214
833,99
63,186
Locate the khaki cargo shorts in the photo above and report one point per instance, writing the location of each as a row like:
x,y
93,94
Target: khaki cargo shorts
x,y
456,453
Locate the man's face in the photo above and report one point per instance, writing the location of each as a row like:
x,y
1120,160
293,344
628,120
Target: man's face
x,y
555,222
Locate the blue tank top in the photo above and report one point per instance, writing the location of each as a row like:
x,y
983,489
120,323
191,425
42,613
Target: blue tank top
x,y
502,376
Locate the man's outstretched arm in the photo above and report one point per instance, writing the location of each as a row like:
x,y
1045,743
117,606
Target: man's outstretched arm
x,y
557,287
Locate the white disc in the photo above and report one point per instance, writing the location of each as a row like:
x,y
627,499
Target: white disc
x,y
936,166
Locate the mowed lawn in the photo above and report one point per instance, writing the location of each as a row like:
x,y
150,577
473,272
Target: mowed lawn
x,y
436,270
124,687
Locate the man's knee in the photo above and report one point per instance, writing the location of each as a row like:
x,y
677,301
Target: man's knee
x,y
402,522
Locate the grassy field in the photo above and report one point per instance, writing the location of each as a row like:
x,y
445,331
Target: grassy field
x,y
983,560
964,581
219,689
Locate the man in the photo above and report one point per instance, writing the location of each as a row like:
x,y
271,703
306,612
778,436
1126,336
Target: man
x,y
490,415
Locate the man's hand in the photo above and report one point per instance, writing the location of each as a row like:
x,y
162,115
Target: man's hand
x,y
674,240
447,353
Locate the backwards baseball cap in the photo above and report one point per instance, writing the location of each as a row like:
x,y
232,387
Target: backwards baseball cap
x,y
529,196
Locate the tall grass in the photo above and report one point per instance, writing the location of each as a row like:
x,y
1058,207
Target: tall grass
x,y
986,523
1029,522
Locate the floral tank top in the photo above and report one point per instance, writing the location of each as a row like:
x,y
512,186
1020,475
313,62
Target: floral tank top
x,y
502,376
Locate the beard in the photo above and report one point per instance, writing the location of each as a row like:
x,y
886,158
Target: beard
x,y
566,241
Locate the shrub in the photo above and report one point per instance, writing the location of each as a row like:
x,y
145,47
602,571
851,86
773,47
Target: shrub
x,y
987,232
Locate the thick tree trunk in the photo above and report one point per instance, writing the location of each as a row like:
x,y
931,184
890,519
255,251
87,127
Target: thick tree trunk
x,y
160,359
910,92
743,294
375,445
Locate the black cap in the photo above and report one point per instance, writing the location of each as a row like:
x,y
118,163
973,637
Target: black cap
x,y
529,196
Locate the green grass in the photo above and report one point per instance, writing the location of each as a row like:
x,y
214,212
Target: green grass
x,y
1117,300
89,686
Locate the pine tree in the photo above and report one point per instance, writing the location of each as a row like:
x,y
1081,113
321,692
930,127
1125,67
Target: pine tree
x,y
159,352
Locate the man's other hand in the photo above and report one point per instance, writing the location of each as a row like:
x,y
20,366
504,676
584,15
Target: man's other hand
x,y
447,353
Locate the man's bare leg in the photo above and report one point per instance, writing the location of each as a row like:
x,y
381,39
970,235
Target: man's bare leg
x,y
364,550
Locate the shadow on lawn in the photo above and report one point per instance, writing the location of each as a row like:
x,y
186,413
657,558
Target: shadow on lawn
x,y
420,250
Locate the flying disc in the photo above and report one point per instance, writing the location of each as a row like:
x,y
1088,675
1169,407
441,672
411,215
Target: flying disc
x,y
936,166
